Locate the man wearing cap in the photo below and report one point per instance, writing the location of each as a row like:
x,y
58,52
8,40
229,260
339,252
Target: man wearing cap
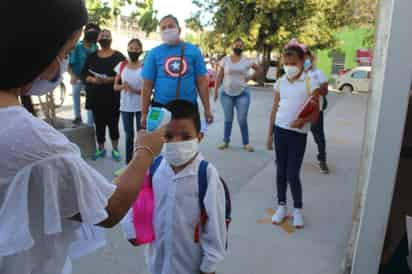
x,y
175,69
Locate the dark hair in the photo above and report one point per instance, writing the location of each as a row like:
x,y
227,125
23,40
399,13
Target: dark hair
x,y
294,51
170,16
239,40
90,26
50,23
182,109
309,53
137,41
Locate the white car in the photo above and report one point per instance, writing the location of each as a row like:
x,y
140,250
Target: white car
x,y
357,79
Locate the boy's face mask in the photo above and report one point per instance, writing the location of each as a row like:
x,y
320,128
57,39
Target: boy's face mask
x,y
179,153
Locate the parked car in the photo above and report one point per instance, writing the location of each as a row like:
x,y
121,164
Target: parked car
x,y
272,73
357,79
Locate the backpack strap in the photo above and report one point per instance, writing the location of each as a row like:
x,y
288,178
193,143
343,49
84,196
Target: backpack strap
x,y
202,181
123,65
155,165
179,81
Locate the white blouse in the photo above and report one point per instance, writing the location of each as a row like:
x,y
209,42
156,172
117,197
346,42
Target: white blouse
x,y
43,182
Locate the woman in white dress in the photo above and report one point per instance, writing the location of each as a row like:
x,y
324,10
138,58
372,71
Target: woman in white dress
x,y
46,189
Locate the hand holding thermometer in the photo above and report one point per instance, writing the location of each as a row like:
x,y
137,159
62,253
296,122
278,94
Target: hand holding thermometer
x,y
157,118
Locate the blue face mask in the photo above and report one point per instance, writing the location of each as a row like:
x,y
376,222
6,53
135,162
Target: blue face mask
x,y
308,64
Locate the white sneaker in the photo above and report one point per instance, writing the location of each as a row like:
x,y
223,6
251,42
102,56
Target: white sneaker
x,y
280,215
298,218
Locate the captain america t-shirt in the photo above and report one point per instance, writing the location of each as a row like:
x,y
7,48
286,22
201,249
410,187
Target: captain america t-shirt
x,y
162,67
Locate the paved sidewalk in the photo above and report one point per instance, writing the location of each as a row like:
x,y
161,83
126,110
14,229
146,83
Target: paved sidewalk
x,y
256,246
259,247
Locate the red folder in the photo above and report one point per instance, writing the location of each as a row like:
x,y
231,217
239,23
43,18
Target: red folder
x,y
311,104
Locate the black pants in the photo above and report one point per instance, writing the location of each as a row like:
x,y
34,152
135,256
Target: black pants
x,y
103,118
318,133
290,148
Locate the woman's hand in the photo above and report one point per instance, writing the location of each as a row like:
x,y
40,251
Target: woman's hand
x,y
298,123
91,80
126,87
153,140
269,142
216,96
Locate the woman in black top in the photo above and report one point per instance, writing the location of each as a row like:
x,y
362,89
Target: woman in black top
x,y
98,74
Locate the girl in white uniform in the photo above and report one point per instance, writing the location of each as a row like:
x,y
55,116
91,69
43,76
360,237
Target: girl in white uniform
x,y
289,133
46,189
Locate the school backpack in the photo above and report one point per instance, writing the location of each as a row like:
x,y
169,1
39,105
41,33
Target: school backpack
x,y
202,181
123,65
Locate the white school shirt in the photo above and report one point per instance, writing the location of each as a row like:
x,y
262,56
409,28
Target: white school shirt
x,y
234,80
130,102
43,182
293,96
318,77
176,214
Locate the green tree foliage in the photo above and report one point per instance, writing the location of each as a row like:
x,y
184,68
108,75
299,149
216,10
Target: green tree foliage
x,y
266,25
103,12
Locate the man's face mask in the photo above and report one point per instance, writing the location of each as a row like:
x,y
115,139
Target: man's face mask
x,y
41,87
170,36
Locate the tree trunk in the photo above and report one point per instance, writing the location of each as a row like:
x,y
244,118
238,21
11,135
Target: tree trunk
x,y
267,50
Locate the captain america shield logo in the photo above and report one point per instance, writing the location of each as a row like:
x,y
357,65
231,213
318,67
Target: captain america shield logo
x,y
172,66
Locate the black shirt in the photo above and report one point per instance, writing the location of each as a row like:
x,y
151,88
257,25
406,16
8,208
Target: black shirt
x,y
101,96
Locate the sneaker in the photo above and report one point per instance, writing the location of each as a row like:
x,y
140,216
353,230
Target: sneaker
x,y
116,155
100,153
280,215
324,167
77,121
298,219
223,146
248,148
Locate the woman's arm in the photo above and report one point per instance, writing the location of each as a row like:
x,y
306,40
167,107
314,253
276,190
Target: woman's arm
x,y
258,72
219,79
273,119
129,183
118,86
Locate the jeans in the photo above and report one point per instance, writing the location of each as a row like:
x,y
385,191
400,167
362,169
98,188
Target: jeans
x,y
241,103
290,148
318,133
76,90
129,129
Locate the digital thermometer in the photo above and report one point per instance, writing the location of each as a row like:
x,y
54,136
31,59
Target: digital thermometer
x,y
157,118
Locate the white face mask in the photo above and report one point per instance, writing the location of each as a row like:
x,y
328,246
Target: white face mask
x,y
179,153
291,71
41,87
170,36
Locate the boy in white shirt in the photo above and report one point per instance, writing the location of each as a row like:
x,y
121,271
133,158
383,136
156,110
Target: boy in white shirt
x,y
176,206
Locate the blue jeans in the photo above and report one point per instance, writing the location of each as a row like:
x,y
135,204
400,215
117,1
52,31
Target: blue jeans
x,y
128,118
76,90
318,133
241,103
290,148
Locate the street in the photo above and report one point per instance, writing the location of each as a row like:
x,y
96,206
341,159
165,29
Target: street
x,y
255,245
